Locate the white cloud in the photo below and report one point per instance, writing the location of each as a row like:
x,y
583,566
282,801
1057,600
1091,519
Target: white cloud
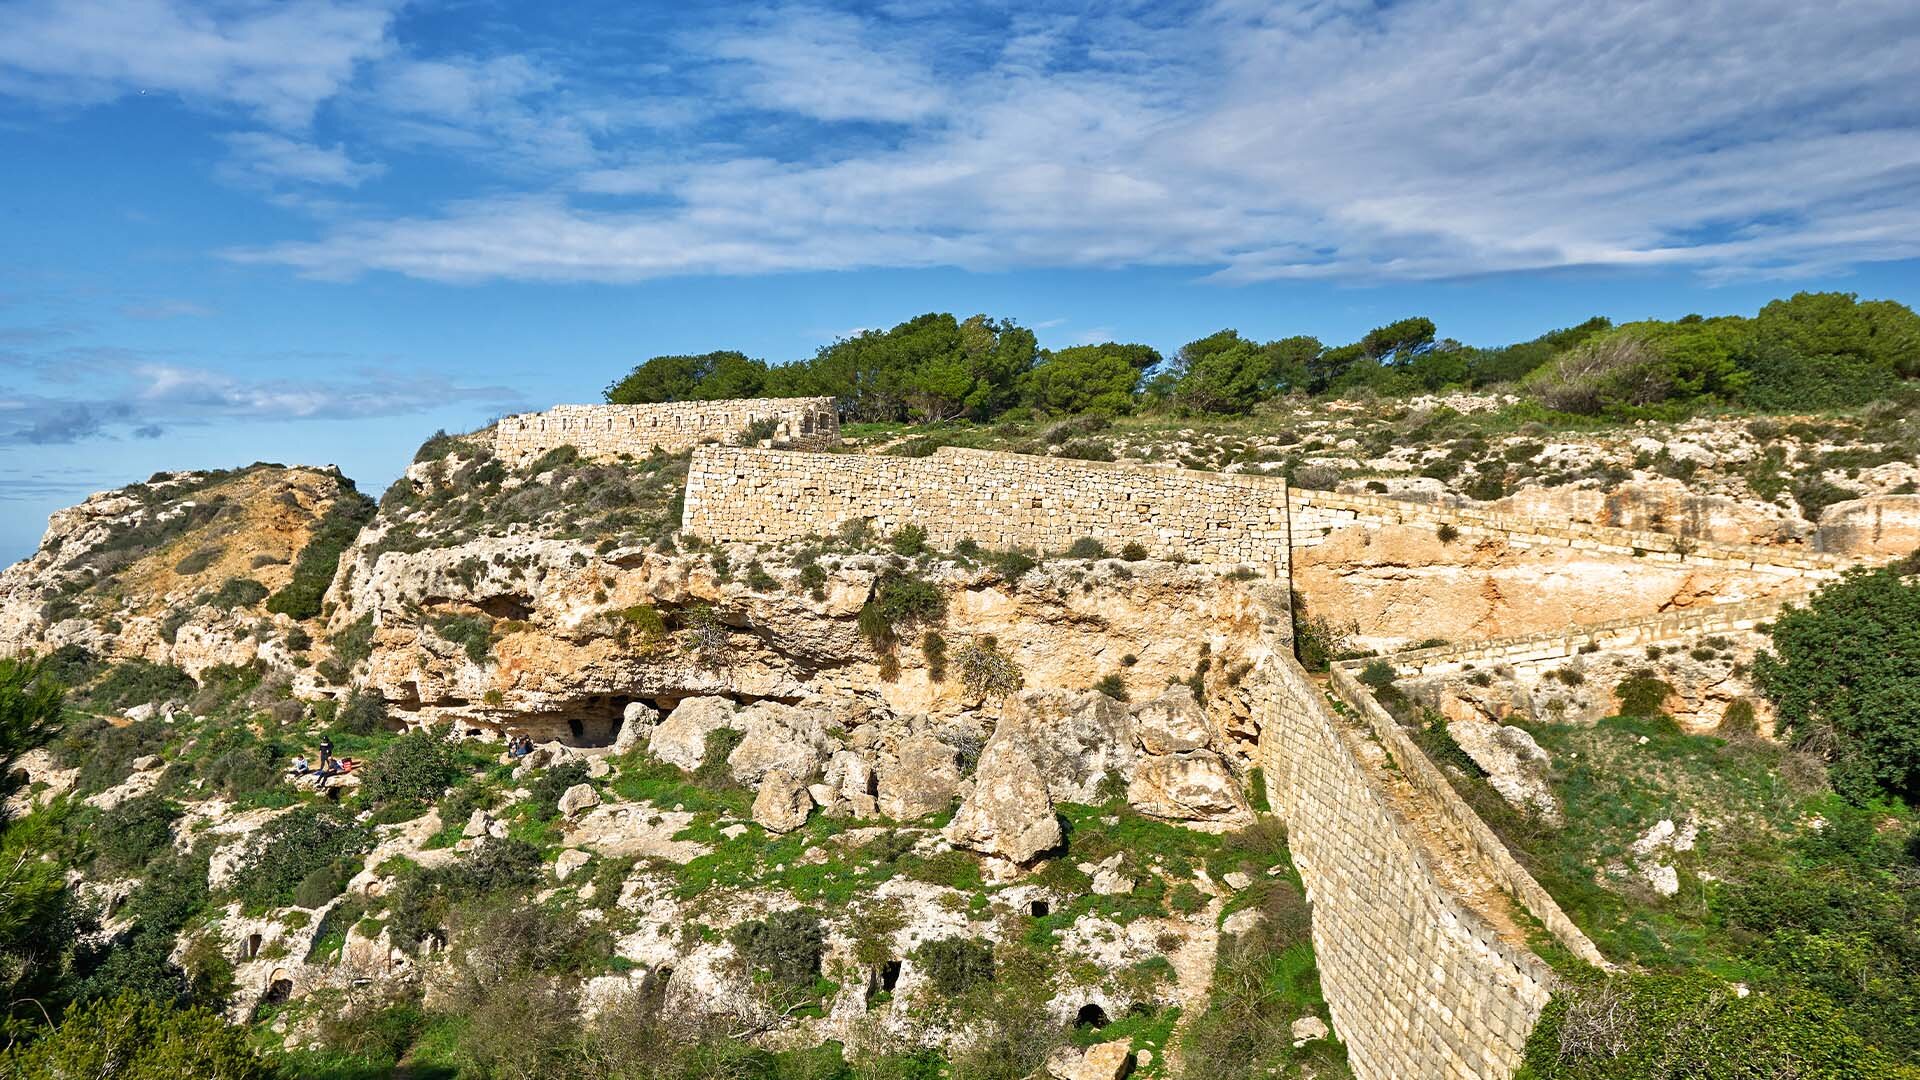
x,y
826,64
262,156
279,60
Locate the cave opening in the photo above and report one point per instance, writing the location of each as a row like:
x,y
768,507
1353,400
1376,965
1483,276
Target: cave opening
x,y
889,975
1039,909
1091,1017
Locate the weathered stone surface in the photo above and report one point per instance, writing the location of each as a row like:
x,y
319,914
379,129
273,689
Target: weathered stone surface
x,y
636,726
1009,813
782,803
1195,786
785,737
1308,1028
849,784
1515,764
611,430
921,781
1074,737
569,862
578,799
681,739
1880,526
1173,722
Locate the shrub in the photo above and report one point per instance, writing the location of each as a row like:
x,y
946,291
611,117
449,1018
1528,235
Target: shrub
x,y
1086,548
550,784
956,965
474,633
985,670
1447,532
130,1037
1013,565
413,770
934,647
137,682
908,540
900,601
1113,686
785,947
199,560
1378,675
292,846
323,884
1134,551
361,713
1844,675
237,593
130,834
499,864
103,752
1642,694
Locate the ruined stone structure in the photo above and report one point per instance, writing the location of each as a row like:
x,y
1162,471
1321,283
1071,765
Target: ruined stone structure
x,y
639,430
997,500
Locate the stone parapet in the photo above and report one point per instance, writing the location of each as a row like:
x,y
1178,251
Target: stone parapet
x,y
601,431
1000,501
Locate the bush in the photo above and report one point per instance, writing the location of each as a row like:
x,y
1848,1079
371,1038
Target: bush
x,y
500,864
134,1038
986,671
237,593
1844,675
1134,551
137,682
900,601
1086,548
909,540
414,770
130,834
361,713
1642,695
199,560
1013,565
474,633
1378,675
1113,686
291,847
551,783
785,947
956,965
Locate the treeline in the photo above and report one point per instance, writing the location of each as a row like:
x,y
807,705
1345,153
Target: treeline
x,y
1812,350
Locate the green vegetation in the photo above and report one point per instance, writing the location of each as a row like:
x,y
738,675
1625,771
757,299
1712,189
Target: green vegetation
x,y
314,567
133,1038
1812,350
900,603
1844,674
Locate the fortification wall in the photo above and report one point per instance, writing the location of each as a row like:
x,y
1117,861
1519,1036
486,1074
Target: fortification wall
x,y
997,500
1317,514
612,430
1423,973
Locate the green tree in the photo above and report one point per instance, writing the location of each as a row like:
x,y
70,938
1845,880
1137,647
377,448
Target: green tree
x,y
1083,379
706,377
1844,675
134,1038
1223,373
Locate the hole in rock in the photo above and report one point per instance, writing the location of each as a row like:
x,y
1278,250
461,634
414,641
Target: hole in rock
x,y
1039,909
889,975
252,947
1091,1016
279,992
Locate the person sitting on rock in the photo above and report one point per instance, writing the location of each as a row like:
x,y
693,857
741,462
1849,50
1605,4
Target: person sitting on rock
x,y
519,746
301,766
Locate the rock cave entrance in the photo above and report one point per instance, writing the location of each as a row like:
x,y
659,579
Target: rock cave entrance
x,y
278,992
1091,1017
1039,909
252,947
889,975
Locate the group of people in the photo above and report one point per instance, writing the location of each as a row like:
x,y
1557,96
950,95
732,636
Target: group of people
x,y
519,746
328,768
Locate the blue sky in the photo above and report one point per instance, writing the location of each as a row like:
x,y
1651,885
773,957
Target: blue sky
x,y
316,230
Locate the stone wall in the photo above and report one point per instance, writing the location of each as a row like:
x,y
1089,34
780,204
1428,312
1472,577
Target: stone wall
x,y
611,430
1317,514
1422,954
997,500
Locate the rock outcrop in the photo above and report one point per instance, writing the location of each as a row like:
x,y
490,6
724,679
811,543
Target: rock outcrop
x,y
1009,813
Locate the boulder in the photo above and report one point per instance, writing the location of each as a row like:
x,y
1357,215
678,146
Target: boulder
x,y
777,736
1515,764
1195,786
578,799
921,781
1074,737
478,823
636,726
681,739
1173,723
1008,813
1308,1028
849,786
569,862
1102,1061
782,803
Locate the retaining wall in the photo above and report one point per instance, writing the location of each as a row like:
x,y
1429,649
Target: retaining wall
x,y
997,500
1316,514
611,430
1407,886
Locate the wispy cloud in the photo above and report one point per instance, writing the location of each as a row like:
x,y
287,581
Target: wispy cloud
x,y
264,157
155,310
277,60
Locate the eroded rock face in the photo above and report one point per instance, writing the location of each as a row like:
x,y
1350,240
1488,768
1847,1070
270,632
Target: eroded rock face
x,y
1192,786
784,737
1009,813
1173,723
1880,526
1515,764
681,739
921,781
1075,738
